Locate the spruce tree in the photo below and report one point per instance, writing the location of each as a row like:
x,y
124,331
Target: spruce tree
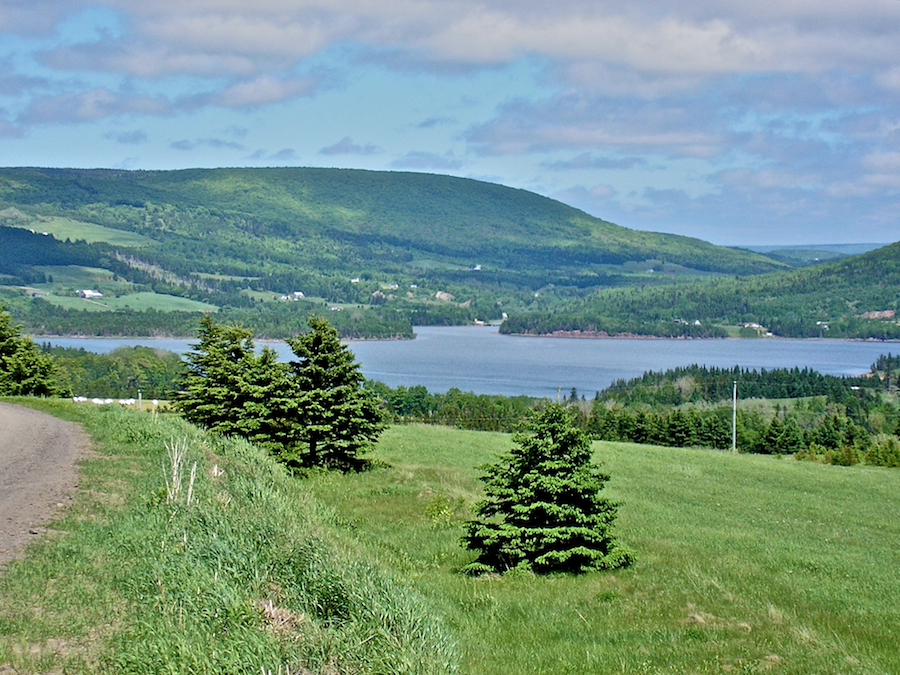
x,y
543,509
336,417
226,387
24,369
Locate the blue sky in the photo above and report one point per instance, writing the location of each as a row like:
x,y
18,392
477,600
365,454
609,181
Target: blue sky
x,y
772,122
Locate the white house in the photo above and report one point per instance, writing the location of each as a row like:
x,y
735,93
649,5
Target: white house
x,y
90,295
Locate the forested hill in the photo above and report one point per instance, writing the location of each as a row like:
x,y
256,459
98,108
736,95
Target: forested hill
x,y
396,248
372,215
858,297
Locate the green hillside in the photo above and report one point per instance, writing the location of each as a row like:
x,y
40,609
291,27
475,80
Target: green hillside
x,y
746,564
857,297
407,247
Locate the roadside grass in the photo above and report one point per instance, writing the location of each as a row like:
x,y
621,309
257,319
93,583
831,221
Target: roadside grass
x,y
746,563
67,228
230,567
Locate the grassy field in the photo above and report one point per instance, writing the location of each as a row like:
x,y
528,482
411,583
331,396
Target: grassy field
x,y
137,301
78,276
67,280
746,563
67,228
217,563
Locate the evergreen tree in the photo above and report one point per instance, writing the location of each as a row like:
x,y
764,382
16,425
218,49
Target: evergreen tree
x,y
226,387
336,418
543,509
24,369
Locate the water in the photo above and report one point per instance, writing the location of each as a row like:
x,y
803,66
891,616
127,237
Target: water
x,y
479,359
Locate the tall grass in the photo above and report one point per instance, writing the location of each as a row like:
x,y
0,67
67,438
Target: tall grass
x,y
746,563
190,554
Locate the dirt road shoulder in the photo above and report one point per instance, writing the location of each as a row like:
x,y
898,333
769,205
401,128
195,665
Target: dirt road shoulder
x,y
38,472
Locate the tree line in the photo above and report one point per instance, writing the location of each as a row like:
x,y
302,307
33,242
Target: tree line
x,y
810,430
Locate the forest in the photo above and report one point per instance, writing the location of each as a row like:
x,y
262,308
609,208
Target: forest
x,y
851,298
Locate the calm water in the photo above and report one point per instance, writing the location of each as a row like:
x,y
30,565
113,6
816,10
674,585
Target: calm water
x,y
479,359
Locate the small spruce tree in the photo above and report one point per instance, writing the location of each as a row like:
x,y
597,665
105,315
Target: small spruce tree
x,y
337,418
543,509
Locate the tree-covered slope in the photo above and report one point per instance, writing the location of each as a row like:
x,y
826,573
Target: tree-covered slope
x,y
855,297
395,248
471,221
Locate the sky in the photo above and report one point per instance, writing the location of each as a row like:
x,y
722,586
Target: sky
x,y
767,122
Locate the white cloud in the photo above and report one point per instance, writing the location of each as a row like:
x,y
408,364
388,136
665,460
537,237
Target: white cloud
x,y
146,61
27,17
581,121
696,39
265,89
882,162
346,146
88,106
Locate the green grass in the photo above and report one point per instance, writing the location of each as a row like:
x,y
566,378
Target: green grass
x,y
141,301
77,276
68,228
249,575
746,563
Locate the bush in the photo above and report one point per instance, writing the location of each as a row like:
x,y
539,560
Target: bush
x,y
884,451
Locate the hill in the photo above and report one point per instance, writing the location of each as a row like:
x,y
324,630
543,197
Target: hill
x,y
856,297
390,246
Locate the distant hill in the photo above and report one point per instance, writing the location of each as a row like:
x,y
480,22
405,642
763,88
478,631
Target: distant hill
x,y
857,297
428,248
813,254
842,249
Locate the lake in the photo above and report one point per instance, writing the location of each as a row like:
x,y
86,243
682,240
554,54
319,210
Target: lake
x,y
479,359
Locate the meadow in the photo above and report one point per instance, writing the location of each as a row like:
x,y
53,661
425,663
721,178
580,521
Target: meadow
x,y
745,564
68,228
139,301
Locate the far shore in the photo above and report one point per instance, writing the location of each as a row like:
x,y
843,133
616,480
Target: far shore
x,y
603,335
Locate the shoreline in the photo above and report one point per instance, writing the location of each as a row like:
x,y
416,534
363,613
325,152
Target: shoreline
x,y
603,335
572,335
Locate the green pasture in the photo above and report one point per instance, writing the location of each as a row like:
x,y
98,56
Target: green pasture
x,y
78,276
141,301
67,228
746,563
261,296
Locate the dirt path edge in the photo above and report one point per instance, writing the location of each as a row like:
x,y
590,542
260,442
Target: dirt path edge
x,y
38,473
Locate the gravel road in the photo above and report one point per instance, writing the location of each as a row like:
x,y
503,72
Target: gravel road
x,y
37,472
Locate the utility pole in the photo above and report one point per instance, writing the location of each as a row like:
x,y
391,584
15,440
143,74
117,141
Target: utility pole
x,y
734,418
